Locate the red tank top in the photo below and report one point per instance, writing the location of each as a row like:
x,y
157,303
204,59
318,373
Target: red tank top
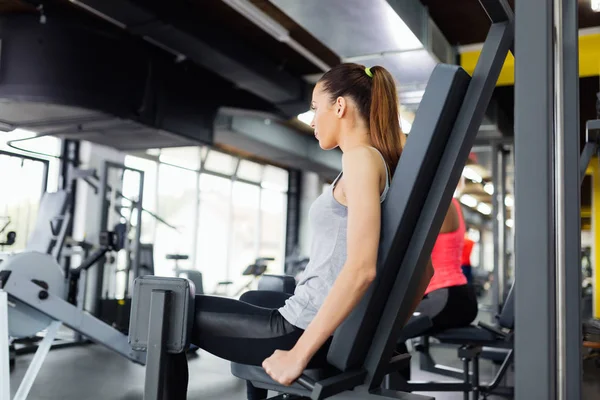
x,y
446,256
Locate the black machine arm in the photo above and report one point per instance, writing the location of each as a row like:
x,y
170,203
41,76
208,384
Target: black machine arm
x,y
109,241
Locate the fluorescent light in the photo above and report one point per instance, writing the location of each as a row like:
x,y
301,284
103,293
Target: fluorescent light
x,y
510,223
595,5
489,188
306,117
484,208
398,30
468,200
406,126
469,173
509,201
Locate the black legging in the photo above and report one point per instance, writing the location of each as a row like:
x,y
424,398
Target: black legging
x,y
451,307
237,331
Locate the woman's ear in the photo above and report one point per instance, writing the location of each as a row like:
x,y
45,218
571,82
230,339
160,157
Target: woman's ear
x,y
340,107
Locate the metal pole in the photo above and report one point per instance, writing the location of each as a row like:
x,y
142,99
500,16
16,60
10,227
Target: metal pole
x,y
569,373
157,337
535,315
496,237
4,348
559,199
502,224
138,234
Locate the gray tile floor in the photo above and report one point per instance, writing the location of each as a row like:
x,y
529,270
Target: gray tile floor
x,y
93,372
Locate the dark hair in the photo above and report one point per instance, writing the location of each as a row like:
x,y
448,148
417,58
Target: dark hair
x,y
377,102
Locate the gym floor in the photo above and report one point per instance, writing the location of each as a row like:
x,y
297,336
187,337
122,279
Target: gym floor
x,y
92,372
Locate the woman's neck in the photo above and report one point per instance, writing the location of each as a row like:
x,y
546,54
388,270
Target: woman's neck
x,y
354,136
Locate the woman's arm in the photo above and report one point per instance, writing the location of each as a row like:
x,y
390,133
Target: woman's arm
x,y
361,187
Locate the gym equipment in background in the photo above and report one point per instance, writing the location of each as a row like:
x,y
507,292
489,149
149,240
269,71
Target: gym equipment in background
x,y
34,295
254,270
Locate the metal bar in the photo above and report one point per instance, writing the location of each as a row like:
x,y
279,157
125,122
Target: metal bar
x,y
11,154
57,308
502,225
496,284
450,167
571,371
559,199
138,234
154,382
497,10
37,361
4,348
534,210
589,151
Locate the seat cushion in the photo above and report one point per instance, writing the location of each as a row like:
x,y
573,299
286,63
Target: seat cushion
x,y
467,335
260,379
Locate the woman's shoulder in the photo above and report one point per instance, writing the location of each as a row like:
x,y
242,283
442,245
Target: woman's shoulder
x,y
360,155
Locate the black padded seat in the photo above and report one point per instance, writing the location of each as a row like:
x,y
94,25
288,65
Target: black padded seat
x,y
467,335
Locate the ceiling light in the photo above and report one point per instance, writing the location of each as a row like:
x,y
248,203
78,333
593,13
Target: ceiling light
x,y
469,173
595,5
468,200
484,208
509,201
510,223
489,188
306,117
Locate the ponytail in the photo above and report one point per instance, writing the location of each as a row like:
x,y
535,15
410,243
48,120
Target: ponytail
x,y
374,91
384,121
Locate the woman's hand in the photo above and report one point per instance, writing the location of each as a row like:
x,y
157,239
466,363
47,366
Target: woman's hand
x,y
284,367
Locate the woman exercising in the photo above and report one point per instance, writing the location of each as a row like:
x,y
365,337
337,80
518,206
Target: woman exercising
x,y
449,300
355,109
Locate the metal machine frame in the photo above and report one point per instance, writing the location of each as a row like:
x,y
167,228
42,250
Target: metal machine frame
x,y
434,161
63,312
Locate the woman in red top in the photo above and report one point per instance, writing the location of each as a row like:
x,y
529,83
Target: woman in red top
x,y
449,300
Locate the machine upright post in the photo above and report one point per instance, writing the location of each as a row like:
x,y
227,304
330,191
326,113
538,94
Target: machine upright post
x,y
154,382
4,349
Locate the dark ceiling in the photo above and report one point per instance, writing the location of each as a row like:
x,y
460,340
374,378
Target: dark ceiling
x,y
465,22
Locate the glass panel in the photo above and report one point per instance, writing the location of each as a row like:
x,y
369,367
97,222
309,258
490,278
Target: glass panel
x,y
187,157
19,205
177,195
130,189
250,171
273,223
47,146
220,162
213,229
244,236
275,178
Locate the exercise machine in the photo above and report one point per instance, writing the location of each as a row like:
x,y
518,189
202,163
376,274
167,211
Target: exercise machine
x,y
34,296
254,270
472,341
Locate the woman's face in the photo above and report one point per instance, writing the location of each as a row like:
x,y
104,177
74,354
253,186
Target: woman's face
x,y
326,120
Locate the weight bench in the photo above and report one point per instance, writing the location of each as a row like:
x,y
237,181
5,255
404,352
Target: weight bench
x,y
472,341
361,354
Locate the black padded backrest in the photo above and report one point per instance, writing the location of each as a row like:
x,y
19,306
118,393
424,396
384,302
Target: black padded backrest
x,y
400,212
506,319
53,208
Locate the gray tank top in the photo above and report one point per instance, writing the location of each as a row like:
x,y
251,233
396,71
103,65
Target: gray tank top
x,y
328,220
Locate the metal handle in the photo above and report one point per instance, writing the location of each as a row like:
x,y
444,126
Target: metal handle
x,y
306,382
